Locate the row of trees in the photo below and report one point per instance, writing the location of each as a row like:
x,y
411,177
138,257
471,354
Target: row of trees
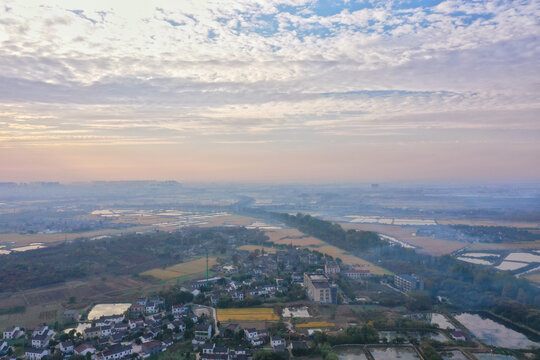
x,y
332,233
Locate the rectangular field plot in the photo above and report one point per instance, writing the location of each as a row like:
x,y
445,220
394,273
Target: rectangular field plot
x,y
247,314
180,270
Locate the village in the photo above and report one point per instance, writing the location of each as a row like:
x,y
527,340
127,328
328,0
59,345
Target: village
x,y
259,303
152,324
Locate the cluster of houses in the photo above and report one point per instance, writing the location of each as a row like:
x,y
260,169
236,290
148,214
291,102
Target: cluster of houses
x,y
115,337
263,274
210,351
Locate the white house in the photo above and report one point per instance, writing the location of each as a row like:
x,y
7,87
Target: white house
x,y
41,330
12,333
66,347
178,309
40,341
106,331
151,308
36,354
117,351
208,348
276,341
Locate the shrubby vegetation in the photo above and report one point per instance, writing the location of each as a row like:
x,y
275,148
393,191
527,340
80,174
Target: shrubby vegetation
x,y
332,233
13,310
497,234
467,285
123,255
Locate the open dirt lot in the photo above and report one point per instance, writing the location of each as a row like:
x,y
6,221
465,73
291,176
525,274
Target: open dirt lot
x,y
428,244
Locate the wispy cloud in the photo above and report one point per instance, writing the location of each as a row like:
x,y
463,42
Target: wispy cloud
x,y
260,72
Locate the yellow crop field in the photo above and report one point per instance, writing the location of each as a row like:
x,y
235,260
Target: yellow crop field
x,y
247,314
349,259
183,269
291,236
256,247
316,324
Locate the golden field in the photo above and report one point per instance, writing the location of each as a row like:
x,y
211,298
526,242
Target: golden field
x,y
183,269
292,236
256,247
247,314
349,259
316,324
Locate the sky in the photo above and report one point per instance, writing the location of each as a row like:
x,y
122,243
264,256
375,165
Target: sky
x,y
270,91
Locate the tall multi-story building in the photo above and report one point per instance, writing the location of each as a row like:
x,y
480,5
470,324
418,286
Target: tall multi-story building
x,y
408,282
319,289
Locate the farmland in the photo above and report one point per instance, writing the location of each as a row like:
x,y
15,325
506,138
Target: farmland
x,y
181,270
297,238
257,247
292,237
316,324
428,244
224,220
534,277
27,239
247,314
350,259
526,245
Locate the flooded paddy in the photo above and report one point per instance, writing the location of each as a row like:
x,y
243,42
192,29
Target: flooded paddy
x,y
433,318
351,354
480,255
378,353
493,357
510,265
391,353
453,355
474,260
523,257
107,309
493,333
391,336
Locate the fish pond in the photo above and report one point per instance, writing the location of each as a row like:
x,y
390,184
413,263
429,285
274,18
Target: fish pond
x,y
493,333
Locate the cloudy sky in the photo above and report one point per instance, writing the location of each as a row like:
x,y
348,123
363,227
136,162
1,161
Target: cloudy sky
x,y
274,90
